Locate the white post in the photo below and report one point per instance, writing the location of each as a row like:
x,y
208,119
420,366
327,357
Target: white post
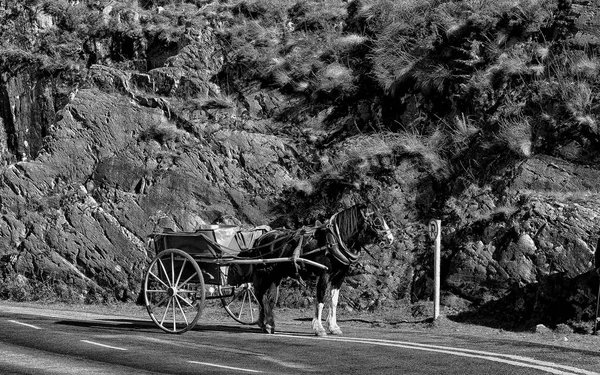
x,y
435,233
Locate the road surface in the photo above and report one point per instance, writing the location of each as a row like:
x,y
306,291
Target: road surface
x,y
40,341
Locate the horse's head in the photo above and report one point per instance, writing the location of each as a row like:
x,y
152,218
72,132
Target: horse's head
x,y
376,224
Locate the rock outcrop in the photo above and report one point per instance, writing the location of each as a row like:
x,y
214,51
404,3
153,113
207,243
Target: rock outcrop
x,y
110,171
529,256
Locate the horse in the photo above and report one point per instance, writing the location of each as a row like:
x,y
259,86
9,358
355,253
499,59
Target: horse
x,y
335,245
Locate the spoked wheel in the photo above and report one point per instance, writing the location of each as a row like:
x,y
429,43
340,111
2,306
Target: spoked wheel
x,y
240,303
174,291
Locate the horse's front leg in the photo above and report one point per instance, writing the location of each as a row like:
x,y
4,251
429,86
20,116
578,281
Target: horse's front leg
x,y
270,299
316,322
319,303
331,322
260,294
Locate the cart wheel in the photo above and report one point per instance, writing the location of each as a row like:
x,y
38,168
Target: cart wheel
x,y
240,303
174,291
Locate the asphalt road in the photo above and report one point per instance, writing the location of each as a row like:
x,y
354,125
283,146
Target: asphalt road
x,y
38,341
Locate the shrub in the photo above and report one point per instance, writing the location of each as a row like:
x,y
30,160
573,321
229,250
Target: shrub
x,y
250,50
269,12
17,287
164,133
378,154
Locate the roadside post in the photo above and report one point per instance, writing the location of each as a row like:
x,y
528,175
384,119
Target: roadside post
x,y
435,233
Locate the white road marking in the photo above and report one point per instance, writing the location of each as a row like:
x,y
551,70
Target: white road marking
x,y
102,345
24,324
34,361
510,356
553,368
225,367
188,345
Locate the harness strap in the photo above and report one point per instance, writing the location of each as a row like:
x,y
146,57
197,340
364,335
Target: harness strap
x,y
296,253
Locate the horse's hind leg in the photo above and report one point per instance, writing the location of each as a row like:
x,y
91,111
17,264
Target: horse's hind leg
x,y
319,303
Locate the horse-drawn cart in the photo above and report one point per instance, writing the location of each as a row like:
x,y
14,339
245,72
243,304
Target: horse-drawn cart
x,y
211,263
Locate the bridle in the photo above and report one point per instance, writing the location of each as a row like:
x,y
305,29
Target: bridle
x,y
376,223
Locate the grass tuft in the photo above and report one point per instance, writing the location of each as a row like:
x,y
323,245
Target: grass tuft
x,y
517,134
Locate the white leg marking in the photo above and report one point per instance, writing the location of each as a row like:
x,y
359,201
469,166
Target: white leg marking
x,y
332,326
316,323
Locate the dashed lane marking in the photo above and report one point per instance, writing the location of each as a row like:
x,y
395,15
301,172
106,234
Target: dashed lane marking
x,y
33,361
24,324
102,345
224,367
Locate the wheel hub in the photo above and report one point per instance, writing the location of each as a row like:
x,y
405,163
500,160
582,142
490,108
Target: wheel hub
x,y
172,291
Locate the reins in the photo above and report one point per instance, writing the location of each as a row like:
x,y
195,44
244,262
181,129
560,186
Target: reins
x,y
287,238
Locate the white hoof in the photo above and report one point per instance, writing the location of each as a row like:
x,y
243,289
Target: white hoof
x,y
320,333
268,329
336,331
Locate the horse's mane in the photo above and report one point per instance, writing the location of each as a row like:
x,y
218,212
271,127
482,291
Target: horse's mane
x,y
348,221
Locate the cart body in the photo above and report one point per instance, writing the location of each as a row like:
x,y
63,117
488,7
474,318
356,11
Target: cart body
x,y
215,248
190,267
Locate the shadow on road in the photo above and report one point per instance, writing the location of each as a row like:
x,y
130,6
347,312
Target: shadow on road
x,y
372,321
149,327
112,324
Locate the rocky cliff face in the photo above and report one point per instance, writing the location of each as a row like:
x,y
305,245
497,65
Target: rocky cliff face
x,y
146,132
114,170
117,161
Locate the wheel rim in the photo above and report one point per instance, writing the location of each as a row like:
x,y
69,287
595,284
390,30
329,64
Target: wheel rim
x,y
174,291
242,305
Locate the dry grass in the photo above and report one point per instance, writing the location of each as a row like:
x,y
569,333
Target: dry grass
x,y
516,134
578,97
314,16
269,12
347,42
462,131
585,66
336,78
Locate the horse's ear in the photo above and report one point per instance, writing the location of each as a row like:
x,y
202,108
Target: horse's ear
x,y
364,210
